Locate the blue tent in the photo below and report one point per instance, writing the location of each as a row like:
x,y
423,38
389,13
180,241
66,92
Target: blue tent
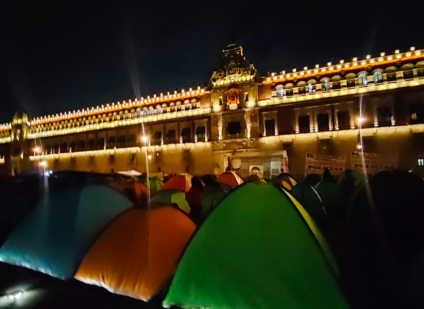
x,y
58,232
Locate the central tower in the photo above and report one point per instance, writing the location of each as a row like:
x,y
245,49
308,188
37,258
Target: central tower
x,y
235,84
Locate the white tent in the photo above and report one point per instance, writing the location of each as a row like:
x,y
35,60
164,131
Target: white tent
x,y
131,173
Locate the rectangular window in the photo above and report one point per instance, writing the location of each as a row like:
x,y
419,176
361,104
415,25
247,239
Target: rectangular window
x,y
304,124
323,122
270,127
384,115
246,96
234,128
220,100
171,136
157,138
350,82
408,74
289,92
344,120
301,90
186,135
336,85
201,134
391,76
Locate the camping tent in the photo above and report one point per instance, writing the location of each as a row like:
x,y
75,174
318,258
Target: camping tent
x,y
54,237
138,252
258,249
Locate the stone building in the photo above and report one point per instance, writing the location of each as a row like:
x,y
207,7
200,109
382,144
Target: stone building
x,y
373,105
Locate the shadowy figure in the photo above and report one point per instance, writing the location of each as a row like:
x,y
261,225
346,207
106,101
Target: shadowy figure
x,y
194,198
347,186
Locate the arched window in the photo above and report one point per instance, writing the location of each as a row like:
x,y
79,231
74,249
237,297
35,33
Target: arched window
x,y
408,72
289,90
420,69
325,84
391,74
350,80
362,80
335,82
311,86
280,91
301,88
158,109
378,77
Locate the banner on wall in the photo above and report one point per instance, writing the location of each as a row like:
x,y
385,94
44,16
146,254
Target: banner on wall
x,y
316,164
372,163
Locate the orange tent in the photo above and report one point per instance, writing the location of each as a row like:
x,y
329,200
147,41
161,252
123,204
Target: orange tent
x,y
126,261
180,183
136,192
230,178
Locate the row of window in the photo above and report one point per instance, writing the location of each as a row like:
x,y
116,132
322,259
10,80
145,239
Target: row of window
x,y
351,81
114,117
122,141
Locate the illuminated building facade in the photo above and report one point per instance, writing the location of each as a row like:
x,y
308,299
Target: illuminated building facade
x,y
254,120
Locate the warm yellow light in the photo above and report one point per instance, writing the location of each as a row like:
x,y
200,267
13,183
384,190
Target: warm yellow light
x,y
149,157
144,138
359,146
361,119
36,149
43,164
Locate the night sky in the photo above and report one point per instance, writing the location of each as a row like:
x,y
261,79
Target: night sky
x,y
69,55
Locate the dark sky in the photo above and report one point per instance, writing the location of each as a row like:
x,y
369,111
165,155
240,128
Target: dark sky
x,y
69,55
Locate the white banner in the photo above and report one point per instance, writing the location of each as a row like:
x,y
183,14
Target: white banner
x,y
316,164
372,163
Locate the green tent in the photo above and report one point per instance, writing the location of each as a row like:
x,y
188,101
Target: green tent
x,y
331,195
154,183
166,197
311,200
357,177
212,195
258,249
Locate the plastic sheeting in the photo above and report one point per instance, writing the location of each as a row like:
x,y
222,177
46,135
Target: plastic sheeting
x,y
55,236
256,250
128,259
230,178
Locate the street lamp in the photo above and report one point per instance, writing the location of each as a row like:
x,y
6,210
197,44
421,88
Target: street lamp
x,y
43,164
361,119
149,157
36,149
144,138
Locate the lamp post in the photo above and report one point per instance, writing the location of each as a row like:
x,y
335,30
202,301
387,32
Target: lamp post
x,y
360,120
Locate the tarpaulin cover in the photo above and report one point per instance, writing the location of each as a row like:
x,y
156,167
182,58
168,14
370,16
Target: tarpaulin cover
x,y
166,197
230,178
179,182
56,235
256,250
128,259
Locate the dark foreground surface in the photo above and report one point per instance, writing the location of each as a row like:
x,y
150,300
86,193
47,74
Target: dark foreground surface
x,y
42,291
